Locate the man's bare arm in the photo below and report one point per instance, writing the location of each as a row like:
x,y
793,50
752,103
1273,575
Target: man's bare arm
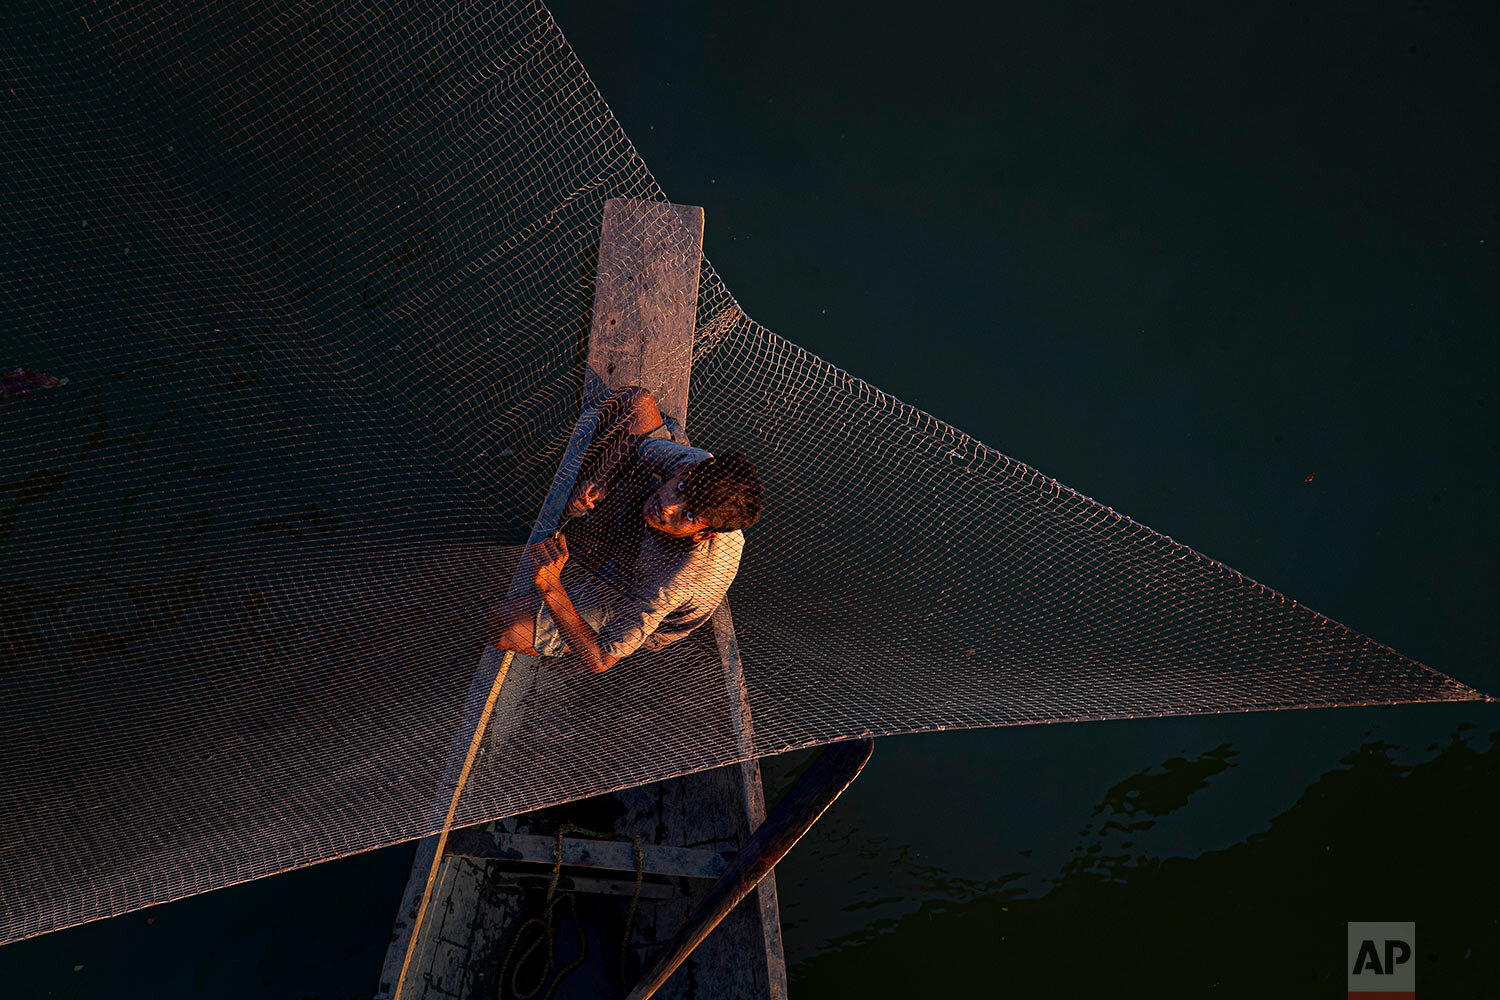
x,y
628,415
580,638
550,555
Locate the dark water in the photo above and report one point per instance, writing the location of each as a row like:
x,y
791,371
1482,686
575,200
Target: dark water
x,y
1230,271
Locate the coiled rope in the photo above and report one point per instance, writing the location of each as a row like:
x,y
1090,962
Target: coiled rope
x,y
510,974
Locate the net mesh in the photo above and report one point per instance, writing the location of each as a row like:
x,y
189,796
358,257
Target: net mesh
x,y
314,280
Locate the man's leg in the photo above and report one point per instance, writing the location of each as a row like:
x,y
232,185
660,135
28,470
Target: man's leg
x,y
511,624
644,417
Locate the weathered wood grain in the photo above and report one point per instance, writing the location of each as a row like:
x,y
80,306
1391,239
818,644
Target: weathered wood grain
x,y
646,301
579,852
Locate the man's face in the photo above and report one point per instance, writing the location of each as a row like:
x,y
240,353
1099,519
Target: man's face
x,y
667,511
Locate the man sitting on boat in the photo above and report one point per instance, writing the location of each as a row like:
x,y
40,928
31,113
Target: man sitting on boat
x,y
662,559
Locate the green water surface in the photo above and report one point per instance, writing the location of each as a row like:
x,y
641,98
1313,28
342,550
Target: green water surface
x,y
1230,269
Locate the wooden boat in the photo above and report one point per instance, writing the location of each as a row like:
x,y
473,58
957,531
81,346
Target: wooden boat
x,y
469,920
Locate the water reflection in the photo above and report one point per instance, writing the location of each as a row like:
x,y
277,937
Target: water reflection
x,y
1155,794
1374,835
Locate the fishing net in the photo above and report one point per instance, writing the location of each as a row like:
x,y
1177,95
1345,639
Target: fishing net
x,y
296,300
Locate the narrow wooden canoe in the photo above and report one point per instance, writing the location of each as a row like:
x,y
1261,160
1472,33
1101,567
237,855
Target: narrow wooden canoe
x,y
491,880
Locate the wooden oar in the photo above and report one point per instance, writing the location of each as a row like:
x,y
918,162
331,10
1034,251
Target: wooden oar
x,y
480,728
813,793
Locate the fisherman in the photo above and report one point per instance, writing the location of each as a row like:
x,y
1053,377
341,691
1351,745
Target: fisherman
x,y
661,560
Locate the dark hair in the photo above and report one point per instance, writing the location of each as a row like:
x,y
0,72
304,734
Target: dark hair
x,y
724,492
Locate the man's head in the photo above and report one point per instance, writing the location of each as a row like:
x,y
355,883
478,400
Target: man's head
x,y
718,494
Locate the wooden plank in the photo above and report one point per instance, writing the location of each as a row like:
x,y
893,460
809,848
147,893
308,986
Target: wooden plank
x,y
578,852
763,913
762,916
584,883
734,688
646,301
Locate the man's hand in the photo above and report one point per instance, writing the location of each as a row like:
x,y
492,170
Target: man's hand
x,y
585,497
549,556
